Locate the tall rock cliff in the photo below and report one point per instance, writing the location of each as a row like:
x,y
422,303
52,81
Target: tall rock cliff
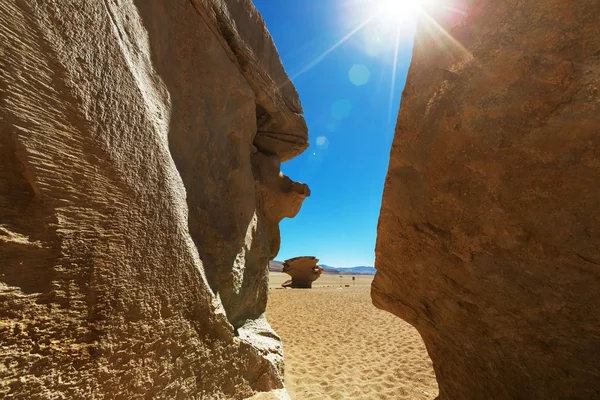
x,y
140,196
489,233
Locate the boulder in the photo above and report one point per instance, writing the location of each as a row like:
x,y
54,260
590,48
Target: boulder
x,y
140,196
489,234
303,270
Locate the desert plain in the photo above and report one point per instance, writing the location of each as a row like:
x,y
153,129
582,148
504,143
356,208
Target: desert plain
x,y
337,345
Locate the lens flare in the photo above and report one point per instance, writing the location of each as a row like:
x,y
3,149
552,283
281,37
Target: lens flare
x,y
359,74
398,11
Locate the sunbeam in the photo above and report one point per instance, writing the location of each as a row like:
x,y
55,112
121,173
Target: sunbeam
x,y
393,87
396,12
389,14
445,33
332,48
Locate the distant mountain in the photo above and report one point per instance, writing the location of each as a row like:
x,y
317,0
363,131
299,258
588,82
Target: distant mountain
x,y
361,270
277,266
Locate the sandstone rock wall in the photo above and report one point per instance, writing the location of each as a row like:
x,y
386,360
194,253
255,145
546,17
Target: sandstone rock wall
x,y
140,194
489,233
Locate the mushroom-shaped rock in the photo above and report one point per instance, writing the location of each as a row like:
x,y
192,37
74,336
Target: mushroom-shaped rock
x,y
303,270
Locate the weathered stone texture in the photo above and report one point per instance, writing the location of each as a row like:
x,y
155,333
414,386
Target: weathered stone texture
x,y
489,233
134,231
303,270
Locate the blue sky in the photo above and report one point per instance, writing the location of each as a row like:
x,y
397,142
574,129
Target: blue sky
x,y
350,112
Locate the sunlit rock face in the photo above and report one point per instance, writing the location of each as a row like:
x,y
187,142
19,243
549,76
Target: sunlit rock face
x,y
140,194
303,270
489,234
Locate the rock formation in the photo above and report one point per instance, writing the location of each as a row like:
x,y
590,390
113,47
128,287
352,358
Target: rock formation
x,y
489,234
140,195
303,270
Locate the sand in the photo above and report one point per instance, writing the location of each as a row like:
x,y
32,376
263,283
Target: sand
x,y
339,346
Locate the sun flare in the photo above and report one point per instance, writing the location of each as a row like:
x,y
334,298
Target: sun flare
x,y
398,11
378,27
392,17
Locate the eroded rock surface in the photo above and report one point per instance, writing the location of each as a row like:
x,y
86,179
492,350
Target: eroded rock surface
x,y
303,270
140,194
489,234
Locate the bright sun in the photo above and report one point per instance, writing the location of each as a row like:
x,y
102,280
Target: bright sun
x,y
380,26
398,11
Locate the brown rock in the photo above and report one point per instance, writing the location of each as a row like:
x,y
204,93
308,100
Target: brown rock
x,y
489,234
303,270
241,30
140,194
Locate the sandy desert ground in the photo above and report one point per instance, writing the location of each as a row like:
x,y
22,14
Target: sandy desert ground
x,y
339,346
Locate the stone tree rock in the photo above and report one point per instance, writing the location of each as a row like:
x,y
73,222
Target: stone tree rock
x,y
140,193
489,234
303,270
